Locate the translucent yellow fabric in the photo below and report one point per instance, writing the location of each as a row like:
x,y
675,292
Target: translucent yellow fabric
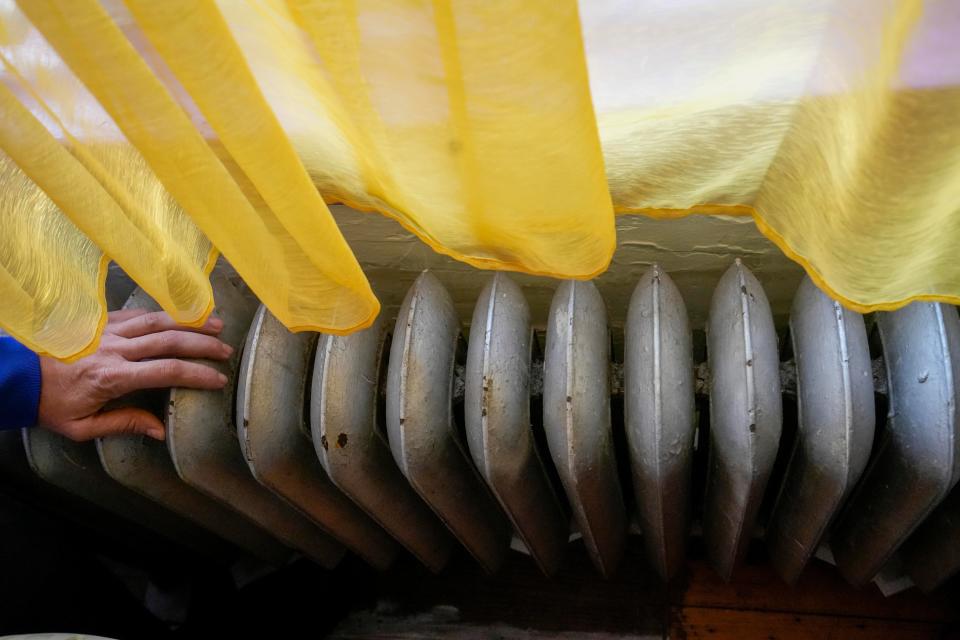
x,y
504,134
835,123
99,190
291,255
472,124
51,275
493,157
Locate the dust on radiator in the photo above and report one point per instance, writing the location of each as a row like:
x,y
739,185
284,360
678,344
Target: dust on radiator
x,y
408,437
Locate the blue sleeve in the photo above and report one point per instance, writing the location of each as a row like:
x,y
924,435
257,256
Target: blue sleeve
x,y
19,385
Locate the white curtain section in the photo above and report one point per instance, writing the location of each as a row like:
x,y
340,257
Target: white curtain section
x,y
504,134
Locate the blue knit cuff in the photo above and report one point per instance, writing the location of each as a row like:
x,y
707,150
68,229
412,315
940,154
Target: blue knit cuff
x,y
19,385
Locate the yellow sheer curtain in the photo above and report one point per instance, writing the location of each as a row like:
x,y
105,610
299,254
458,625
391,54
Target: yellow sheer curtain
x,y
483,141
503,134
291,255
472,125
98,189
51,275
865,189
834,123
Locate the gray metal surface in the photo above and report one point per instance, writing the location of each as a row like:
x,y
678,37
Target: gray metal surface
x,y
202,440
74,467
144,465
421,427
18,476
931,554
917,460
118,287
276,442
745,414
659,416
347,425
497,417
576,418
835,426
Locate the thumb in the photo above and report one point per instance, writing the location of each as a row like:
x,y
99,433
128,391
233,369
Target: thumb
x,y
127,420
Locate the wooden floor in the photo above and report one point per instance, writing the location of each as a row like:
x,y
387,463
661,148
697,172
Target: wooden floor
x,y
520,603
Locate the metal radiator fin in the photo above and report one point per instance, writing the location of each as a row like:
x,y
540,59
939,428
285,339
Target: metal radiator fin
x,y
659,416
497,416
835,431
75,467
276,441
346,422
576,418
422,429
745,414
144,465
202,440
916,461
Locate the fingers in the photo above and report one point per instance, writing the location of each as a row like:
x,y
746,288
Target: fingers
x,y
174,344
158,321
119,421
115,317
158,374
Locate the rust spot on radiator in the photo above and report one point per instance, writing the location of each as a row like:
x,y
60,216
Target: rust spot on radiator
x,y
342,440
323,442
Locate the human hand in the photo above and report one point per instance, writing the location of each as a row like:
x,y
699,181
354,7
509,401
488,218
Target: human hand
x,y
138,350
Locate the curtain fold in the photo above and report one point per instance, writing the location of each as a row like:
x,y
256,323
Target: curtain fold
x,y
471,123
865,188
97,189
51,275
833,123
119,230
292,256
506,135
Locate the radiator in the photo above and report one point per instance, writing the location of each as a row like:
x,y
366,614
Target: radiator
x,y
839,433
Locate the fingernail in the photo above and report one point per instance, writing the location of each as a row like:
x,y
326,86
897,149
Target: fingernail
x,y
227,349
156,434
215,323
222,378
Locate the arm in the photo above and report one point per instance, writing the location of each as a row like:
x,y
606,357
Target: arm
x,y
138,350
19,384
